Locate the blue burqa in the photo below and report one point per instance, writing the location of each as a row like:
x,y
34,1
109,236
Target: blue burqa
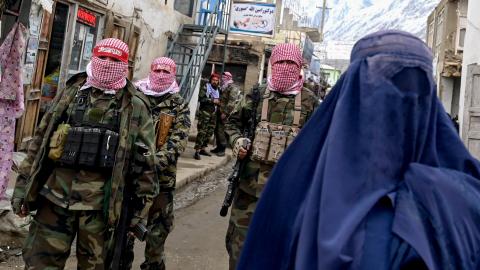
x,y
377,179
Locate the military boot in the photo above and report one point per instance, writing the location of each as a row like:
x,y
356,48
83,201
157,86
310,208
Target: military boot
x,y
204,153
221,151
197,155
216,150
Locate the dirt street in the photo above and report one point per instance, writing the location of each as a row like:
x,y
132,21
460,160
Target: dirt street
x,y
198,239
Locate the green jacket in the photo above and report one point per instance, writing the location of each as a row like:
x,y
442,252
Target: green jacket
x,y
206,103
255,174
229,98
176,139
136,131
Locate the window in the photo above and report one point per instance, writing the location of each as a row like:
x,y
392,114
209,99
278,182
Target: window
x,y
431,32
84,40
461,39
440,26
461,31
184,6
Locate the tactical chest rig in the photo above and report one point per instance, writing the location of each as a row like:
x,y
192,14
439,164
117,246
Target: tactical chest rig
x,y
83,144
272,139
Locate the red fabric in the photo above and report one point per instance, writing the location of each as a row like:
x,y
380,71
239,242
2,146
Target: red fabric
x,y
161,81
286,51
112,47
227,79
158,84
214,75
286,77
106,74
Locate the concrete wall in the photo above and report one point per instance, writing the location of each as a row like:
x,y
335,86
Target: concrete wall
x,y
471,53
246,51
156,20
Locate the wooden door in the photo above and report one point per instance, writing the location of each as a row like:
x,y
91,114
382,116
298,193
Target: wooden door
x,y
133,46
27,124
116,27
471,116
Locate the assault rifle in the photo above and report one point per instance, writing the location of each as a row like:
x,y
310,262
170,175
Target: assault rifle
x,y
123,230
249,132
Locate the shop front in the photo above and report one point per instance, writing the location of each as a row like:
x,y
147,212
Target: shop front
x,y
62,46
74,31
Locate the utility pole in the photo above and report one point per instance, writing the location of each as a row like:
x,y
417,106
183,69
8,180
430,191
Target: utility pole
x,y
324,9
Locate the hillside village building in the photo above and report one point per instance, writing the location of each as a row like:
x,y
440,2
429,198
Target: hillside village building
x,y
446,28
470,90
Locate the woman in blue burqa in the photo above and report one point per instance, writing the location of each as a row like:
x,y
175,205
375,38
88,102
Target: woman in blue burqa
x,y
378,178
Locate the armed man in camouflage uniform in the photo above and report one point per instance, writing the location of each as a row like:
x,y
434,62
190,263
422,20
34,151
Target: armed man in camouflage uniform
x,y
230,96
172,119
284,107
92,145
209,99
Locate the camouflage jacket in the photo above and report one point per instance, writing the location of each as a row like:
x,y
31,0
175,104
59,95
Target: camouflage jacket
x,y
255,174
229,98
136,131
176,138
206,103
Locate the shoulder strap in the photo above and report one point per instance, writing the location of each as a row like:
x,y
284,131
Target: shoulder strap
x,y
297,110
265,106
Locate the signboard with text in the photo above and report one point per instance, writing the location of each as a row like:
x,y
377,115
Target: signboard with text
x,y
86,17
251,18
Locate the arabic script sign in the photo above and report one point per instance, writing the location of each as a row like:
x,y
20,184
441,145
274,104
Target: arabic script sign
x,y
251,18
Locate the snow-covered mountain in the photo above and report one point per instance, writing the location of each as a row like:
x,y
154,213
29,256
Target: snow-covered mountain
x,y
349,20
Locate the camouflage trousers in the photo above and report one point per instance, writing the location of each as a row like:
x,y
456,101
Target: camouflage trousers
x,y
205,127
51,235
220,135
241,214
160,224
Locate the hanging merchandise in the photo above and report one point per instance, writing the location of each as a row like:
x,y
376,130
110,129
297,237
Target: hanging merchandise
x,y
11,97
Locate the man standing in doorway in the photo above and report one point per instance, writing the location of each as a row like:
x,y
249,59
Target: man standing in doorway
x,y
229,97
209,99
92,146
284,107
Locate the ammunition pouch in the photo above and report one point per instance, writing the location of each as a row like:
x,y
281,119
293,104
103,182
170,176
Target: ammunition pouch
x,y
262,142
72,147
58,141
272,139
89,146
108,149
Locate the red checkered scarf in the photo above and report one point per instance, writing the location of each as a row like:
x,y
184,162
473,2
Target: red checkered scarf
x,y
227,79
108,75
286,78
158,84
